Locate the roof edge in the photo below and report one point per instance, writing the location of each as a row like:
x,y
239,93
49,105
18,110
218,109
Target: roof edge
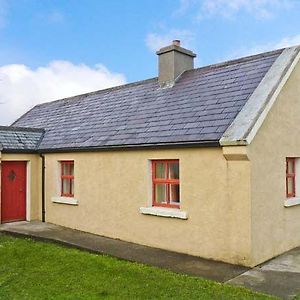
x,y
24,129
249,120
79,96
133,147
17,151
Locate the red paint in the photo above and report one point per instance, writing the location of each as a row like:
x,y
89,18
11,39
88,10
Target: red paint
x,y
13,191
290,174
66,175
167,181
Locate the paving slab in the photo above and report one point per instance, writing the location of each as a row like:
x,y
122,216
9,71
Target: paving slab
x,y
177,262
279,277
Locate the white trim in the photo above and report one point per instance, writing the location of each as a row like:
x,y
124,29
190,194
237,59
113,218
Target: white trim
x,y
245,126
291,201
28,191
65,200
164,212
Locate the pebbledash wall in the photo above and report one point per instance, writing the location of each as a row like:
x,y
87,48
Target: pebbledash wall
x,y
234,196
112,186
275,228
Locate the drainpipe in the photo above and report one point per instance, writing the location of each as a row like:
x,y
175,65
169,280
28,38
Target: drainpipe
x,y
43,187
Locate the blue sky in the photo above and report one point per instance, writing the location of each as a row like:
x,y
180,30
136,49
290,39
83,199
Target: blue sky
x,y
57,48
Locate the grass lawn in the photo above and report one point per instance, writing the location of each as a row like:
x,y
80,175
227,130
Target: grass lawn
x,y
38,270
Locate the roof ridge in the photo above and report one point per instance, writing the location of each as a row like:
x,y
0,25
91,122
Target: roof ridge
x,y
135,83
24,129
118,87
238,60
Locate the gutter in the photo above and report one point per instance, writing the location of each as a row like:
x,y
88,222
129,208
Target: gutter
x,y
16,151
197,144
43,188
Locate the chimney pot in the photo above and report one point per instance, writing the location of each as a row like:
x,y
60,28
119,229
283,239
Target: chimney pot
x,y
176,43
173,61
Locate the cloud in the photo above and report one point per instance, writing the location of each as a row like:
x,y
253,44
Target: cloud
x,y
262,9
155,41
287,42
22,87
283,43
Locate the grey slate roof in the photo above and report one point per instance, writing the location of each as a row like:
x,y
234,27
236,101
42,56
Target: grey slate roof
x,y
197,109
20,139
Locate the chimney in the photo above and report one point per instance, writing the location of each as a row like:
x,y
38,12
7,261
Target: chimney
x,y
173,61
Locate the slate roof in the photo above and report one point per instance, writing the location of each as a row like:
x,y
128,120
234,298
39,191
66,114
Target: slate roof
x,y
197,109
21,139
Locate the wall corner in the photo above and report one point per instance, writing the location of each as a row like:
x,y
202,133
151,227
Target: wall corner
x,y
238,176
235,153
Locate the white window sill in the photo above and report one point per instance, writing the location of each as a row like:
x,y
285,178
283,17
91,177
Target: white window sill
x,y
164,212
65,200
292,202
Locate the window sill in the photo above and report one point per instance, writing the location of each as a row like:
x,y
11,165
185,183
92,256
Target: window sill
x,y
164,212
65,200
292,201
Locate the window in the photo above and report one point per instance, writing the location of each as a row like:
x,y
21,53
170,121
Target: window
x,y
165,183
290,177
67,178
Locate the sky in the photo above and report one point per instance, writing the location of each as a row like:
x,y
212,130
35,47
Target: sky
x,y
51,49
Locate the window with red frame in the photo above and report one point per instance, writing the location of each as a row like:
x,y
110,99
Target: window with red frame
x,y
67,178
165,183
290,177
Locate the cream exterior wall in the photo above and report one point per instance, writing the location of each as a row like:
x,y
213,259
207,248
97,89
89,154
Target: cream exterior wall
x,y
275,228
234,196
111,186
34,180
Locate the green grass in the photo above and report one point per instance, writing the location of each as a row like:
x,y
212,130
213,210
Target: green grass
x,y
38,270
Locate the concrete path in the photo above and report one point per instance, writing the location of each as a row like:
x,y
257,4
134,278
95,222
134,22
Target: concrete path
x,y
180,263
279,277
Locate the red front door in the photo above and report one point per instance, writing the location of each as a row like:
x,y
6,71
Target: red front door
x,y
13,191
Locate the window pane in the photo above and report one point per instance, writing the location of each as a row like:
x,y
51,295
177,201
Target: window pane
x,y
174,170
65,186
68,168
290,186
160,193
290,166
72,186
71,169
174,193
65,169
160,170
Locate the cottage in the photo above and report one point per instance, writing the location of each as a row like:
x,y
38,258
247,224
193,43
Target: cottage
x,y
201,161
